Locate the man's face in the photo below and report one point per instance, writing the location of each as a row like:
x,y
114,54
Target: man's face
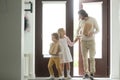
x,y
81,17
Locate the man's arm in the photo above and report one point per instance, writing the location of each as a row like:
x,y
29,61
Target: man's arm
x,y
96,27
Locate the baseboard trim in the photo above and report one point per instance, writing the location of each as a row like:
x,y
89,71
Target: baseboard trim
x,y
115,77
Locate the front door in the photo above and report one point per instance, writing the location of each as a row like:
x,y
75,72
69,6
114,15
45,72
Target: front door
x,y
102,61
99,9
50,15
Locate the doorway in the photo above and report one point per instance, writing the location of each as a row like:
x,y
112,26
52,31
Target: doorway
x,y
94,9
101,61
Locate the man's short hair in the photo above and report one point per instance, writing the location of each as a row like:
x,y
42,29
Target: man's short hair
x,y
83,13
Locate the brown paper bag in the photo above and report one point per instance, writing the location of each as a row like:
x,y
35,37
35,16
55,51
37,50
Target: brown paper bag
x,y
87,28
54,49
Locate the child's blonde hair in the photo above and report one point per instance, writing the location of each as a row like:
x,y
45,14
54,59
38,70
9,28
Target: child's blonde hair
x,y
60,30
55,35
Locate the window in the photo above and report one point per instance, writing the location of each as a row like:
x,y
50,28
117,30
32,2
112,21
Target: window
x,y
97,14
54,17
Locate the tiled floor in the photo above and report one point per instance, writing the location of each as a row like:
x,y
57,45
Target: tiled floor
x,y
45,78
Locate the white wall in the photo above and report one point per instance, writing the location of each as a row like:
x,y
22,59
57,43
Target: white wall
x,y
115,39
10,40
29,38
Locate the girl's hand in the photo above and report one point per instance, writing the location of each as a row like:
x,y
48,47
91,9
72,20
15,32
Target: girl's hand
x,y
76,39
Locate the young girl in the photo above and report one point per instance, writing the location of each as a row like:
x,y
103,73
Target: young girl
x,y
55,59
66,57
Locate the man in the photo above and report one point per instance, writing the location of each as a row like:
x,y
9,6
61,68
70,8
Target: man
x,y
87,29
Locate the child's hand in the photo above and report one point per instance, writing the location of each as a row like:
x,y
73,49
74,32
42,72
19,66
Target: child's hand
x,y
76,39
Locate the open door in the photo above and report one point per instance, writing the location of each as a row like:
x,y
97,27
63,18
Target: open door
x,y
102,62
50,15
99,9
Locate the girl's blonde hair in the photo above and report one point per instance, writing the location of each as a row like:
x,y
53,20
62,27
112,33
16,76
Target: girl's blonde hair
x,y
59,31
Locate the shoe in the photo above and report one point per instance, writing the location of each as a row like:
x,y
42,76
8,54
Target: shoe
x,y
61,77
92,76
51,77
69,77
86,76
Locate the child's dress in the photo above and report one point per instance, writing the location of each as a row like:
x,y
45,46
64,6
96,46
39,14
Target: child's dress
x,y
65,51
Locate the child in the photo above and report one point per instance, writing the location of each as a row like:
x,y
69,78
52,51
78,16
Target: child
x,y
66,57
55,59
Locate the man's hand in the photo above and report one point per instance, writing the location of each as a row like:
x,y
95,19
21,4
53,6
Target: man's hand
x,y
90,34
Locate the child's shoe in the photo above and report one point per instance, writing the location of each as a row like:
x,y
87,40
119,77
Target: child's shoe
x,y
68,74
51,77
61,78
69,77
